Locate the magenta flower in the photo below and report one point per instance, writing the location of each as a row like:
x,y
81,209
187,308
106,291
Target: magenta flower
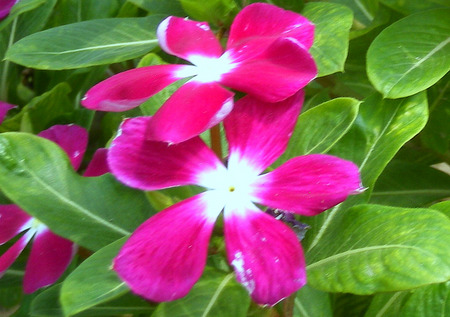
x,y
4,108
266,56
166,255
50,254
5,7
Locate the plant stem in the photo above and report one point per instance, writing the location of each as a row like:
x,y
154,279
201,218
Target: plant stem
x,y
216,143
288,306
3,85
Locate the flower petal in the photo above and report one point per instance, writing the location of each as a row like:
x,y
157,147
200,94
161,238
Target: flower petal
x,y
275,74
71,138
308,184
4,106
266,255
13,220
258,132
129,89
49,258
272,22
149,165
98,164
191,110
8,258
186,38
5,7
166,255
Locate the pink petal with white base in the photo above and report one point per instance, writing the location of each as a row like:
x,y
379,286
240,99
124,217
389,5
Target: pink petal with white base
x,y
4,108
150,165
186,38
308,184
13,220
191,110
277,73
98,164
71,138
8,258
266,255
166,255
265,20
259,132
49,258
129,89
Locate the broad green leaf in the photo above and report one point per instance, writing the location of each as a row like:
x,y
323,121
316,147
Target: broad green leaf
x,y
410,185
320,127
376,248
436,134
333,22
33,21
87,43
93,282
215,294
47,304
218,12
310,302
413,6
382,127
35,173
20,8
171,7
387,304
443,206
363,10
429,301
410,55
41,111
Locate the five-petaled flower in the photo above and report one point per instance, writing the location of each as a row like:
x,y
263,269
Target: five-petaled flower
x,y
50,254
166,255
266,56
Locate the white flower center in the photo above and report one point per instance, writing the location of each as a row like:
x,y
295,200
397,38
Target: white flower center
x,y
211,69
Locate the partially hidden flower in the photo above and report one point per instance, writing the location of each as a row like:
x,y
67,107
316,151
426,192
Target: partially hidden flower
x,y
5,7
166,255
50,254
266,56
4,108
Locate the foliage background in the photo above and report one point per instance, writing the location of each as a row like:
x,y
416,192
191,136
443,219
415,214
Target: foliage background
x,y
381,99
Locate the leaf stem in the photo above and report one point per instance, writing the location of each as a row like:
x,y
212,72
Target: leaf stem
x,y
3,85
216,142
288,305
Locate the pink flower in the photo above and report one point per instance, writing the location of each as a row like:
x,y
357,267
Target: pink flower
x,y
50,254
165,256
5,7
4,108
266,56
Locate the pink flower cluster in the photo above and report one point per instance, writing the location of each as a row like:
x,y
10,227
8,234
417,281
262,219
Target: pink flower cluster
x,y
266,56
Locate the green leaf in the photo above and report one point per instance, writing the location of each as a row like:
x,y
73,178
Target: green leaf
x,y
412,6
215,294
41,111
93,282
417,51
20,8
333,22
171,7
329,121
382,127
429,301
46,304
310,302
218,12
36,174
387,304
376,248
363,10
87,43
443,206
410,185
